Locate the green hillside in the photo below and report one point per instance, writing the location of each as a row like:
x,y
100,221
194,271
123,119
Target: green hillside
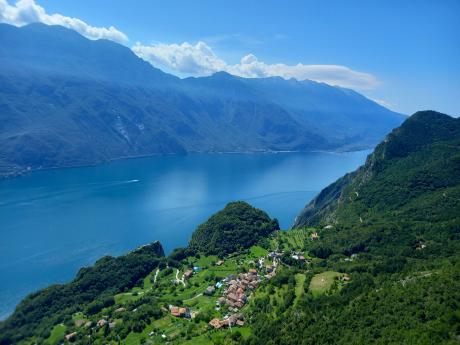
x,y
237,226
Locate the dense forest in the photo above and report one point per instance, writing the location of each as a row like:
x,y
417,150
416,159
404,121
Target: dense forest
x,y
237,226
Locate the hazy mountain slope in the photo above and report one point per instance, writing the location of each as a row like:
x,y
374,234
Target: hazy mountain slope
x,y
66,101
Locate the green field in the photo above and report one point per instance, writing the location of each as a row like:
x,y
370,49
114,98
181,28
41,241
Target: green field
x,y
57,334
321,283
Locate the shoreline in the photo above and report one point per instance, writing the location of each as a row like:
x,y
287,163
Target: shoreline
x,y
24,172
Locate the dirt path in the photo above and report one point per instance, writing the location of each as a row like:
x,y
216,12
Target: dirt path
x,y
200,294
179,280
156,276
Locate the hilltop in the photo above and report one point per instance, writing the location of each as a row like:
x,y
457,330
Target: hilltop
x,y
238,226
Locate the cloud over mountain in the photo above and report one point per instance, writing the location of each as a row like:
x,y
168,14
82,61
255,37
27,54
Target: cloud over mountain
x,y
27,11
200,60
189,59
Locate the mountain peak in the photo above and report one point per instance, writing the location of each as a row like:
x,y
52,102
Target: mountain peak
x,y
420,129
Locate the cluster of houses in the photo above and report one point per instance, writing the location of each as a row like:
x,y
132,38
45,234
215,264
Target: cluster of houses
x,y
228,321
237,290
87,324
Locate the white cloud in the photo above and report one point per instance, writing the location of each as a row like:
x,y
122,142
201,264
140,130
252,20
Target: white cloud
x,y
200,60
383,103
27,11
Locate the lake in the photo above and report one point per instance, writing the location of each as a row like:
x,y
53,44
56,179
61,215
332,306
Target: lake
x,y
54,222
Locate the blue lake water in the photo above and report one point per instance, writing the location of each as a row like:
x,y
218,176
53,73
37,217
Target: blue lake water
x,y
54,222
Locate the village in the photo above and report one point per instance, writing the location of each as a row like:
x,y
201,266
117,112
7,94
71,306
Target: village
x,y
214,290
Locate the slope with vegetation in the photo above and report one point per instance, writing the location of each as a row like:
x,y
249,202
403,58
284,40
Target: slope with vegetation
x,y
394,226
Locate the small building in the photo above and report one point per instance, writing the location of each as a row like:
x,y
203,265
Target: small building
x,y
196,269
219,263
252,271
215,323
174,311
188,274
209,290
314,236
120,310
232,297
346,278
179,311
71,336
218,285
101,322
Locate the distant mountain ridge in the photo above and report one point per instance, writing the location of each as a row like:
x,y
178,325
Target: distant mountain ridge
x,y
69,101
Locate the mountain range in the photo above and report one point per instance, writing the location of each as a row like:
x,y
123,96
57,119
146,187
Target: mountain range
x,y
68,101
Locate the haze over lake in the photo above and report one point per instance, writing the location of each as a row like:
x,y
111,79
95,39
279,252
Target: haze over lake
x,y
54,222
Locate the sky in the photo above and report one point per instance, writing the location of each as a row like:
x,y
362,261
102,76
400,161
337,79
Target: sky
x,y
403,54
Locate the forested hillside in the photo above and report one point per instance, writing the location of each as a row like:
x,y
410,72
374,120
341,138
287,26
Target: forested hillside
x,y
394,227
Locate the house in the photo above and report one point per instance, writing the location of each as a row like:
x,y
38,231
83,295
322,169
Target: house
x,y
219,263
209,290
71,336
240,323
120,310
218,285
179,311
196,269
215,323
314,236
174,311
188,274
101,322
346,278
252,271
232,297
274,255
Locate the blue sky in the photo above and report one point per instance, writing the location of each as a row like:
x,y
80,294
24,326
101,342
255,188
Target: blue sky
x,y
405,54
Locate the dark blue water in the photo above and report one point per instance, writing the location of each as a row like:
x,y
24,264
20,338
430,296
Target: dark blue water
x,y
53,222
